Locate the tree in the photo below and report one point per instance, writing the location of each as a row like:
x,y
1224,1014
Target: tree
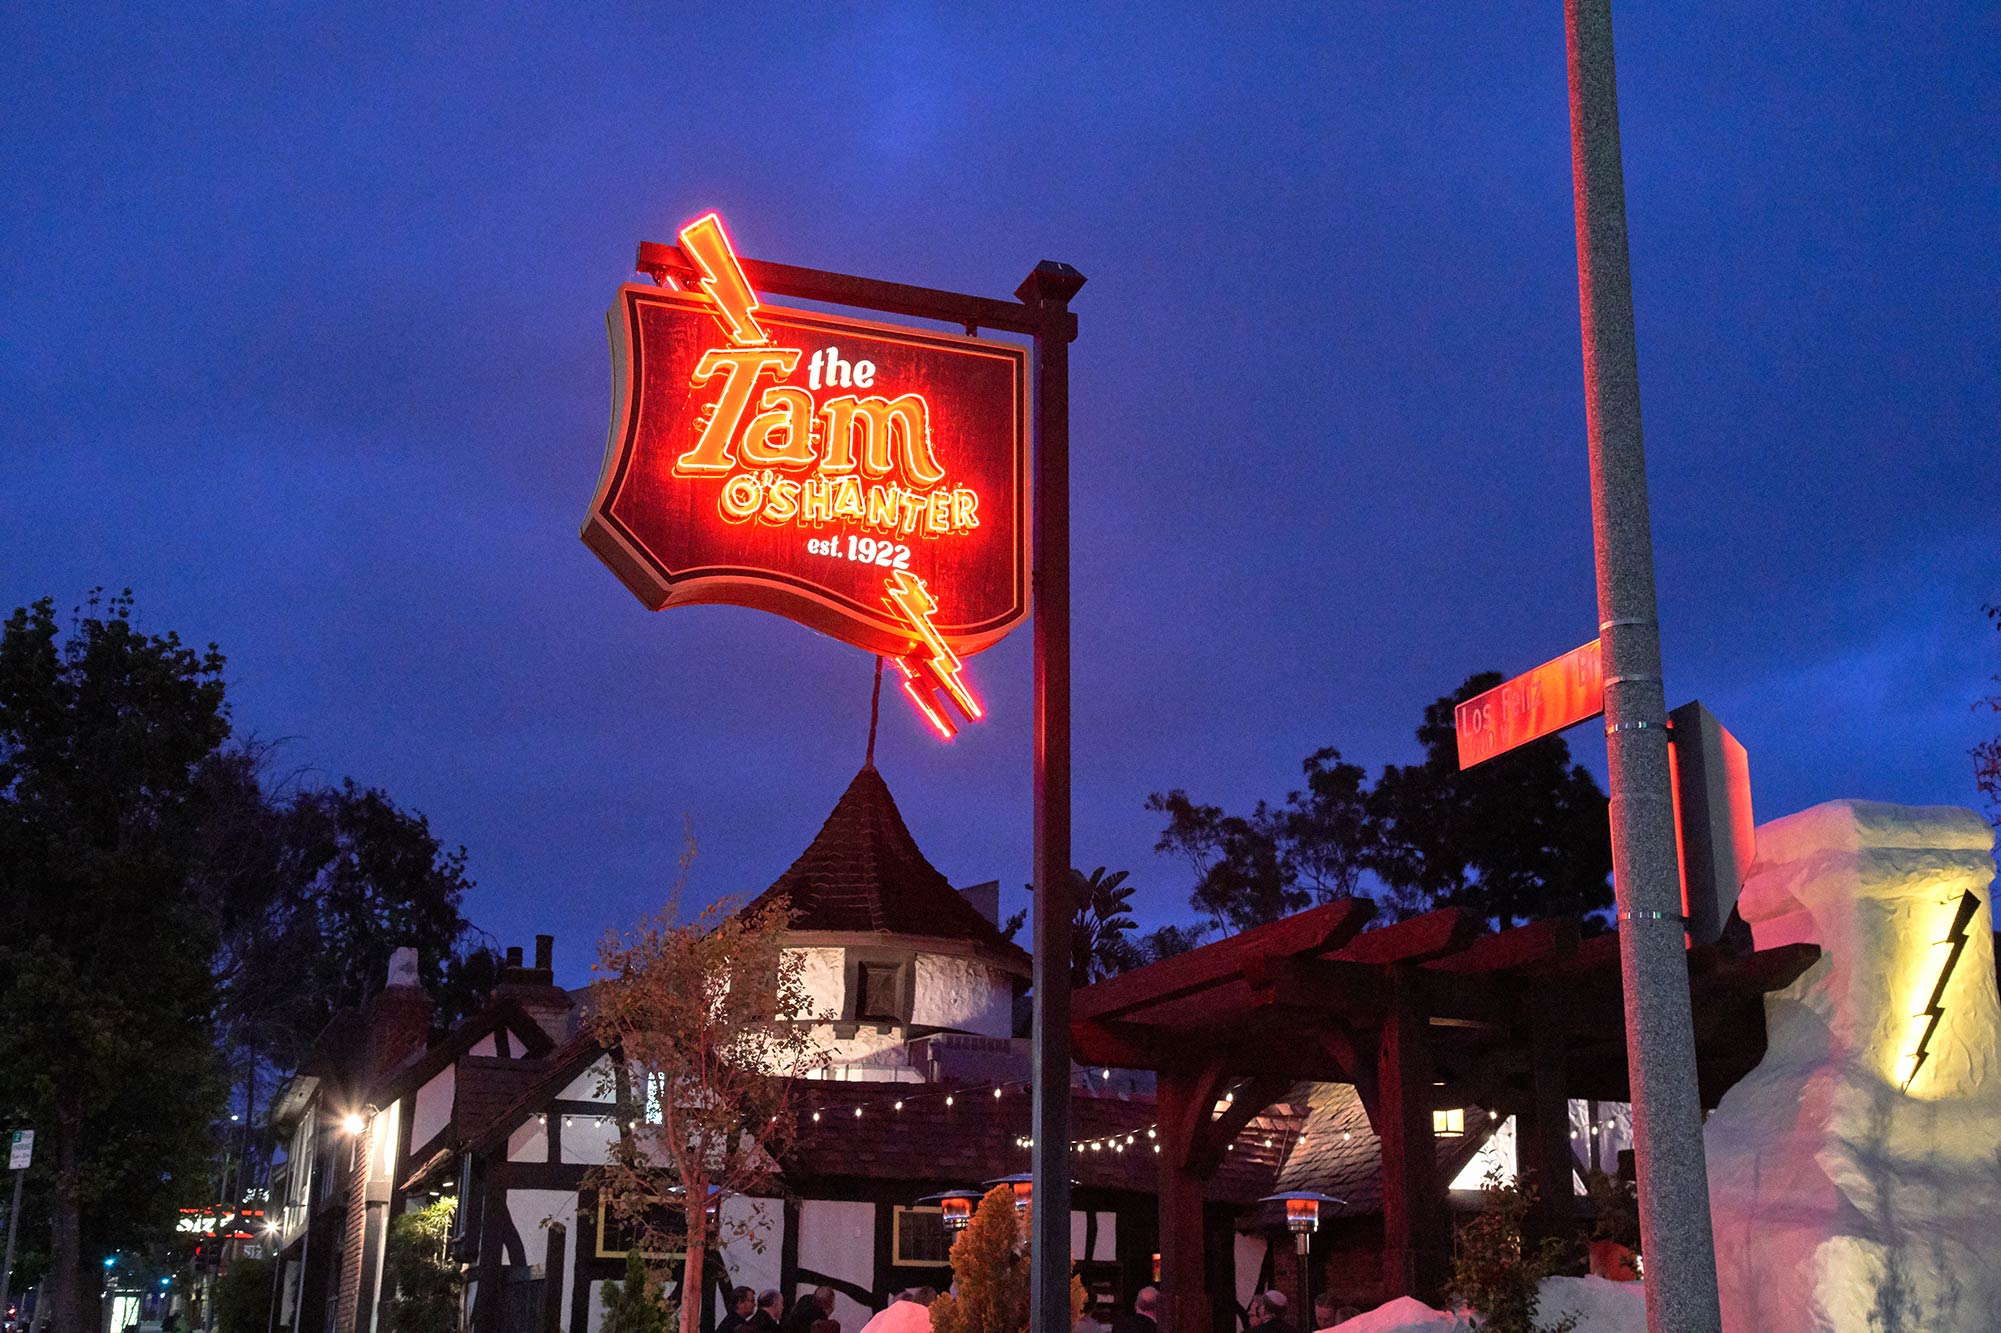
x,y
1242,875
423,1282
107,1002
703,1021
1521,836
1100,924
243,1297
1987,753
635,1305
1495,1273
990,1273
1277,860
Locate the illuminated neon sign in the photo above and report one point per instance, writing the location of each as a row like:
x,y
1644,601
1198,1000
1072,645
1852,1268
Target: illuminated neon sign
x,y
867,480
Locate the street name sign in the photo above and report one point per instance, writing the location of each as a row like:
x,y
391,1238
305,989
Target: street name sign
x,y
1558,694
21,1150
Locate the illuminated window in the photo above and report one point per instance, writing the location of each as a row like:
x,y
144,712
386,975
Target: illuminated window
x,y
920,1239
1449,1124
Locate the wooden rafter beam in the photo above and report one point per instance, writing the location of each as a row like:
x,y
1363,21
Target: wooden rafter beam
x,y
1318,930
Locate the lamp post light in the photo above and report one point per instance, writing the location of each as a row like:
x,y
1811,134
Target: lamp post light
x,y
1302,1219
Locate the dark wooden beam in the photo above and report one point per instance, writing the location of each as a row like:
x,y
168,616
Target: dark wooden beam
x,y
1183,1098
1416,1238
1315,931
1213,1139
1542,1128
1414,941
1523,946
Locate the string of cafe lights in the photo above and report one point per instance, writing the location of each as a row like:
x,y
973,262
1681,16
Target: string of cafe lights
x,y
952,1095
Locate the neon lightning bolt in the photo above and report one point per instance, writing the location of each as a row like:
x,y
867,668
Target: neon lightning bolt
x,y
707,245
937,666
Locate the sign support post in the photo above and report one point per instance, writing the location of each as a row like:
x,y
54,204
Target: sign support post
x,y
1660,1043
1048,289
19,1152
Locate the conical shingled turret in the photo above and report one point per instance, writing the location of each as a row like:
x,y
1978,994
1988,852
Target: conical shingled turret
x,y
864,873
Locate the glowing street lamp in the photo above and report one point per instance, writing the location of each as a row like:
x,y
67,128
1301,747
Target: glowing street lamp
x,y
352,1123
955,1207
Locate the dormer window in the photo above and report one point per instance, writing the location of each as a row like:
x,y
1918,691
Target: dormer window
x,y
879,999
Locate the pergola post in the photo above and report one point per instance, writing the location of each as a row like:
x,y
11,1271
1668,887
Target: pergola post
x,y
1183,1098
1542,1129
1416,1243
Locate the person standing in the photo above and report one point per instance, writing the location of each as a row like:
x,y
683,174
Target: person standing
x,y
809,1310
743,1303
765,1320
1140,1319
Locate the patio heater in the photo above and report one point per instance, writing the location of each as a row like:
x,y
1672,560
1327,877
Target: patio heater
x,y
1302,1219
1023,1185
955,1208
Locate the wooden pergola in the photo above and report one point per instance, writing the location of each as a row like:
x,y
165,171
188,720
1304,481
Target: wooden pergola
x,y
1427,1014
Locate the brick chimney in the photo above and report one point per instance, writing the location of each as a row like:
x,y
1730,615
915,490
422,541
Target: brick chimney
x,y
399,1019
514,974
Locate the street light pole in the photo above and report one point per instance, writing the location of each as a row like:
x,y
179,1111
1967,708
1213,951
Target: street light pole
x,y
1660,1042
1048,290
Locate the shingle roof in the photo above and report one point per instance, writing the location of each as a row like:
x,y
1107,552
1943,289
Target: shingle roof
x,y
1337,1152
863,872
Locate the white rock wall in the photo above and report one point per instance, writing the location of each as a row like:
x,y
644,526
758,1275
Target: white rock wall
x,y
1843,1199
823,973
958,992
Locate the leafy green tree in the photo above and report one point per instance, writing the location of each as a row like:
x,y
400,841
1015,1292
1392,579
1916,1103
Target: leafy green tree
x,y
638,1304
1243,877
107,1001
418,1272
1521,836
243,1297
1255,868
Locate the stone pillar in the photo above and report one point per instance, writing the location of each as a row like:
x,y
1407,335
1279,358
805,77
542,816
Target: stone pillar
x,y
1854,1172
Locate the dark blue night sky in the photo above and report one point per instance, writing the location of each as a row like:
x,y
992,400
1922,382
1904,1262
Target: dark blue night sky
x,y
301,336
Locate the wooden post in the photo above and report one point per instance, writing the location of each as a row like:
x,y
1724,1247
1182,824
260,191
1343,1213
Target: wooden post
x,y
554,1265
1183,1100
1416,1243
1542,1131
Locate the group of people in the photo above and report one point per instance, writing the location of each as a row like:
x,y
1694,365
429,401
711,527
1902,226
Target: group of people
x,y
765,1312
910,1312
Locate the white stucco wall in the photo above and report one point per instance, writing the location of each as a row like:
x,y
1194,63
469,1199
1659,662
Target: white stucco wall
x,y
484,1046
838,1239
963,993
587,1139
529,1142
748,1265
529,1209
590,1086
433,1109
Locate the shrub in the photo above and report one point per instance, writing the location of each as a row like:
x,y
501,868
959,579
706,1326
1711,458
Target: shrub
x,y
1494,1274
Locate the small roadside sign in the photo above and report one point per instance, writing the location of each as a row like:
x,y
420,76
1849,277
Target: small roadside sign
x,y
1557,694
22,1148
